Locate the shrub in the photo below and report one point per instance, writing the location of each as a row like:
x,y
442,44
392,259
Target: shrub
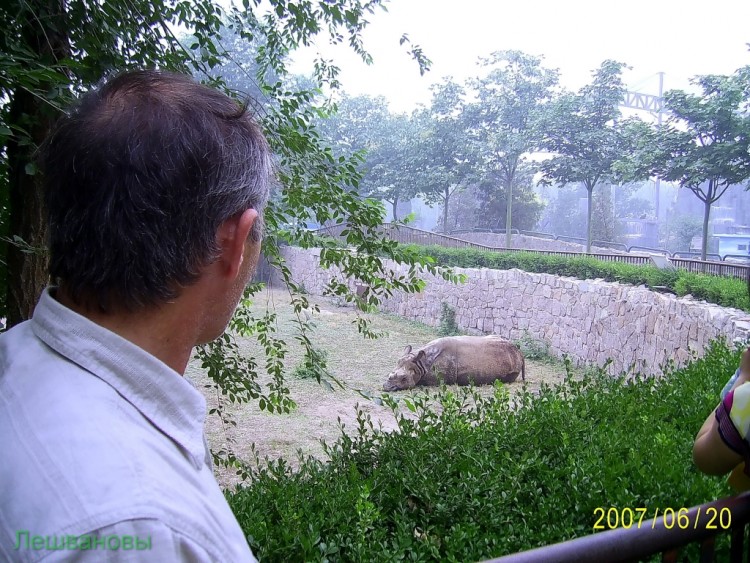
x,y
314,365
448,326
728,292
534,349
722,291
481,477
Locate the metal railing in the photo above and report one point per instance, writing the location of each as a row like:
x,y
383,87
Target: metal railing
x,y
496,231
410,235
651,250
610,244
690,255
714,268
576,240
539,235
700,524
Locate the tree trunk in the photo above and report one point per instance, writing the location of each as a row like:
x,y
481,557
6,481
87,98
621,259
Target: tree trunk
x,y
706,217
509,214
28,272
446,199
394,203
589,204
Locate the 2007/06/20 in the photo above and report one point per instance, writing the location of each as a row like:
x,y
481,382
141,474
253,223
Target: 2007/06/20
x,y
719,519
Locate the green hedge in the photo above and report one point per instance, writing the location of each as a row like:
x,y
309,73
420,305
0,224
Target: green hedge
x,y
483,478
728,292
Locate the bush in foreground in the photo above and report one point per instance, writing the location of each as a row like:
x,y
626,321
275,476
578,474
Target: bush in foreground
x,y
481,477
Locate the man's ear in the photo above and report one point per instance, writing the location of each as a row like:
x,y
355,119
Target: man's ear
x,y
232,235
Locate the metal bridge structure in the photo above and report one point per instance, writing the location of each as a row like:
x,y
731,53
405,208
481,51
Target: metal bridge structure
x,y
654,105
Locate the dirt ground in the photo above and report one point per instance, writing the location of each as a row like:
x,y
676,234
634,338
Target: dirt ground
x,y
359,364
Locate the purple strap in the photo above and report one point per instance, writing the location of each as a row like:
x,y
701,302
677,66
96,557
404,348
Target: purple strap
x,y
729,433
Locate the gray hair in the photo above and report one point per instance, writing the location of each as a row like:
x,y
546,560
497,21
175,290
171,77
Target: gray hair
x,y
139,177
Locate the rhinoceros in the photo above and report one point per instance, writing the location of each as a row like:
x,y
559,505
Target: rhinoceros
x,y
458,360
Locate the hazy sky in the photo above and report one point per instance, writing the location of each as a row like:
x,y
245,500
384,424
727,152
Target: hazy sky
x,y
681,38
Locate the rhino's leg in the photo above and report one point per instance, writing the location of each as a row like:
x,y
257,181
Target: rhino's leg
x,y
509,377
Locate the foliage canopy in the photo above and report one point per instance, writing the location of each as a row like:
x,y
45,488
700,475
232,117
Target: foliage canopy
x,y
52,51
585,135
705,144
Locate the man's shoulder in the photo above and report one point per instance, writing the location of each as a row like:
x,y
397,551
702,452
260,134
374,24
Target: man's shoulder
x,y
85,458
20,348
76,444
37,384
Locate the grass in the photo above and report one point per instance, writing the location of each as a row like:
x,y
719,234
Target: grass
x,y
360,365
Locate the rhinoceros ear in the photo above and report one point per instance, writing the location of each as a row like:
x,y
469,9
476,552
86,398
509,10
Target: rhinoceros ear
x,y
407,350
420,356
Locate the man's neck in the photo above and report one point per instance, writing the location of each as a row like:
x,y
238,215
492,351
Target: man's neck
x,y
165,332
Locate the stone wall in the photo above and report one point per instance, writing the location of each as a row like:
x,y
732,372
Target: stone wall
x,y
589,320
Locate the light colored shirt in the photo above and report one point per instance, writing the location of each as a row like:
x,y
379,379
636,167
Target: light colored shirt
x,y
730,383
102,451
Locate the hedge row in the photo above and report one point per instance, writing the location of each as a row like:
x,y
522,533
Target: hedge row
x,y
479,478
728,292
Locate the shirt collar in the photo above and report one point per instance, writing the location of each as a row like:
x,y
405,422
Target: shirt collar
x,y
159,393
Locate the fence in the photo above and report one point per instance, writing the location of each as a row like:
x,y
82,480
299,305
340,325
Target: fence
x,y
409,235
665,536
613,245
713,268
686,254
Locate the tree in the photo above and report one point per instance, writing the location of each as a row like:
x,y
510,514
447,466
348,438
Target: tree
x,y
586,136
629,205
506,121
681,231
52,50
604,223
442,159
563,215
483,206
390,173
365,125
704,146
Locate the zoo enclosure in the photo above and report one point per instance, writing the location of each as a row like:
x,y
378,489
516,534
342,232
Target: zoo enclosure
x,y
410,235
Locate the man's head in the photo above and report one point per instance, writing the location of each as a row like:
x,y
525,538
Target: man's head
x,y
143,179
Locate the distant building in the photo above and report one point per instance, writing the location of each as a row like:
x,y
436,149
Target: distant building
x,y
734,244
727,215
722,219
640,232
712,250
739,230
